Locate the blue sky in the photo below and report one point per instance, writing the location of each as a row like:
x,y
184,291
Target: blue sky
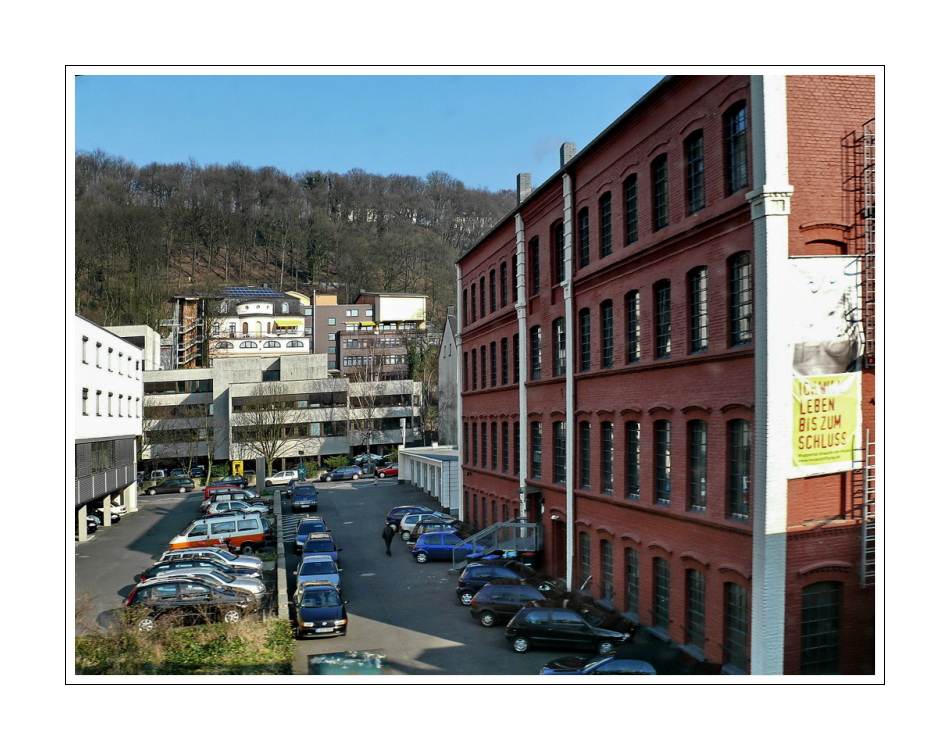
x,y
480,129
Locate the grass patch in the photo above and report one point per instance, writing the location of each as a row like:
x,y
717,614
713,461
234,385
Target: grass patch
x,y
249,647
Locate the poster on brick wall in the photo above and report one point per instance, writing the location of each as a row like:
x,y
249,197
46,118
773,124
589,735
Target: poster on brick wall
x,y
827,348
826,422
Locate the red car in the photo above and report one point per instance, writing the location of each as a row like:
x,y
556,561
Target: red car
x,y
388,471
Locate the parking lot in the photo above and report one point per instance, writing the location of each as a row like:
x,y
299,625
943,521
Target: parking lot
x,y
403,614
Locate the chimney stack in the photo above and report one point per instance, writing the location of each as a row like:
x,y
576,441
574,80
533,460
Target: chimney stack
x,y
524,186
568,152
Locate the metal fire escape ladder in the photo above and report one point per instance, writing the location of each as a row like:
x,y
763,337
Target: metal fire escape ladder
x,y
866,217
868,524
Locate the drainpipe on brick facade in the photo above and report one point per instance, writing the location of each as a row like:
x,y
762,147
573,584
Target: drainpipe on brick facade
x,y
770,199
459,414
568,288
521,308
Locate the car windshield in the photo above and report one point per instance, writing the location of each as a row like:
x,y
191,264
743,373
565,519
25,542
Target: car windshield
x,y
594,615
310,528
322,598
305,489
316,568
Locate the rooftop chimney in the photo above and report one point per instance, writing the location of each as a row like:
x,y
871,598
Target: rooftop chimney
x,y
524,186
568,152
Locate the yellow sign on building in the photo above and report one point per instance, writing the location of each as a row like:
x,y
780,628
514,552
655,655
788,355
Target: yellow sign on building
x,y
826,422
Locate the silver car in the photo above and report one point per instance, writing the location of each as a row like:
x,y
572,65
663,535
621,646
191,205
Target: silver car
x,y
409,521
254,586
250,563
219,507
318,568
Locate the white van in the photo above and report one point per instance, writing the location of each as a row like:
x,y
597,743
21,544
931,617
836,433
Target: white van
x,y
246,533
157,475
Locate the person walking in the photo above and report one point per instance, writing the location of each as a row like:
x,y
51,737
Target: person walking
x,y
388,533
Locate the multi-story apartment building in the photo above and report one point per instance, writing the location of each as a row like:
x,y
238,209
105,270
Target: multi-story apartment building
x,y
667,361
286,408
367,338
108,419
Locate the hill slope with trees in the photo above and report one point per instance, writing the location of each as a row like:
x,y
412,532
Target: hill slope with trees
x,y
146,233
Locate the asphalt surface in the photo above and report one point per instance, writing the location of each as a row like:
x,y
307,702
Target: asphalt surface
x,y
403,616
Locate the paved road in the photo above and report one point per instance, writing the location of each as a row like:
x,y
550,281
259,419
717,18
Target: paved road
x,y
407,611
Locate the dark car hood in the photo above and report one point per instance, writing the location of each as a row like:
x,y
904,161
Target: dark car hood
x,y
320,614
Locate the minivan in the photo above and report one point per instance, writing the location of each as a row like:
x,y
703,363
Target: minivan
x,y
157,475
244,532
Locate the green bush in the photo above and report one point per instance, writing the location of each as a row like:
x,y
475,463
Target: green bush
x,y
250,647
335,462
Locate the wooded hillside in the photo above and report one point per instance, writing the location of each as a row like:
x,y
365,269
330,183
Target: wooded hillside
x,y
145,233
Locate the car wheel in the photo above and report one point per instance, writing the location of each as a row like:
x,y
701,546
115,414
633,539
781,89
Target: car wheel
x,y
488,619
247,549
405,536
357,475
466,597
232,615
521,644
182,489
151,492
146,624
422,557
605,647
268,484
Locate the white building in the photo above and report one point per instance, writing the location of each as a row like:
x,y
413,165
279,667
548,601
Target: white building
x,y
108,418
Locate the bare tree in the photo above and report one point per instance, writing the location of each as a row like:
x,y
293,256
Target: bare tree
x,y
264,423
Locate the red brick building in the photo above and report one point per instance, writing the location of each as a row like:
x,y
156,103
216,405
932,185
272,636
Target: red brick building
x,y
667,360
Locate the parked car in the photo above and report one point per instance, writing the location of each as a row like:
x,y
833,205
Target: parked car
x,y
425,526
546,624
118,507
392,470
321,543
499,600
197,472
219,486
364,458
238,480
177,473
318,568
231,493
247,533
187,601
342,473
304,497
477,574
92,525
395,514
441,545
599,664
408,522
100,516
242,565
280,478
157,475
219,507
319,610
309,525
172,484
253,586
184,566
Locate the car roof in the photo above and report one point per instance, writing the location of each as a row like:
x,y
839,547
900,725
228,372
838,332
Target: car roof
x,y
316,583
316,558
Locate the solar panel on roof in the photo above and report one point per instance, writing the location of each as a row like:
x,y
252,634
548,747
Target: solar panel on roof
x,y
251,291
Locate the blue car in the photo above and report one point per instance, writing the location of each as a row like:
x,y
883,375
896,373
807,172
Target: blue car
x,y
303,497
344,472
319,610
442,545
320,543
309,525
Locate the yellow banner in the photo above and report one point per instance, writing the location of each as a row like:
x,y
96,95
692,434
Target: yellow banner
x,y
826,421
